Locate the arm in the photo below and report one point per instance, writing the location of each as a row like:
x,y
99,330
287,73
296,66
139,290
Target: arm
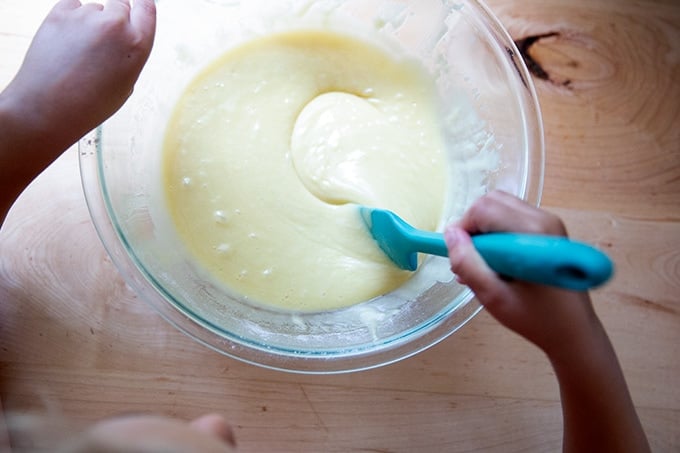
x,y
597,408
80,68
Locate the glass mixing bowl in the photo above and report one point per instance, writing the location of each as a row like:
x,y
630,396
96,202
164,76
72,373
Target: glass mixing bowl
x,y
477,69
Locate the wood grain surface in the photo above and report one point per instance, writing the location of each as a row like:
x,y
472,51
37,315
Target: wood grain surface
x,y
75,339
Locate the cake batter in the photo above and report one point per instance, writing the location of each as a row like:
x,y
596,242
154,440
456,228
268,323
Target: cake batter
x,y
272,147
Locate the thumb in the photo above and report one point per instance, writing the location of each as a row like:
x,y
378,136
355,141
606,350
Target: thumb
x,y
215,425
470,268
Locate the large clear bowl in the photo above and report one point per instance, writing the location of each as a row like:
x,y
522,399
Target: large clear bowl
x,y
474,63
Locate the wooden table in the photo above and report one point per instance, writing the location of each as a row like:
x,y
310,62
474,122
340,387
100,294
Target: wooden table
x,y
75,339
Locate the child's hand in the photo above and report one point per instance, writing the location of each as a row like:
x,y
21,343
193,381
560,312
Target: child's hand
x,y
562,323
548,317
80,69
81,66
123,433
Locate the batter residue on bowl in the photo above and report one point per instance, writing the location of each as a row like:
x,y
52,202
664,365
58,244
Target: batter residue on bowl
x,y
271,148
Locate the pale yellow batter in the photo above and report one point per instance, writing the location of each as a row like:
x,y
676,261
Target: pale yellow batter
x,y
271,148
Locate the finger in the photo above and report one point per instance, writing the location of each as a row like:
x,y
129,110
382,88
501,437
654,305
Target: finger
x,y
121,7
67,5
143,19
496,211
93,6
471,269
500,211
215,425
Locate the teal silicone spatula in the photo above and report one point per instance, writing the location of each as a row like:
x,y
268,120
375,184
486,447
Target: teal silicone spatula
x,y
548,260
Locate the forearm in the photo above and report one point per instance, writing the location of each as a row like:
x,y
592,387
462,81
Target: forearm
x,y
27,147
597,408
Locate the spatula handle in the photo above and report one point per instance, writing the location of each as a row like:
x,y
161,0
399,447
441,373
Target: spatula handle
x,y
549,260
